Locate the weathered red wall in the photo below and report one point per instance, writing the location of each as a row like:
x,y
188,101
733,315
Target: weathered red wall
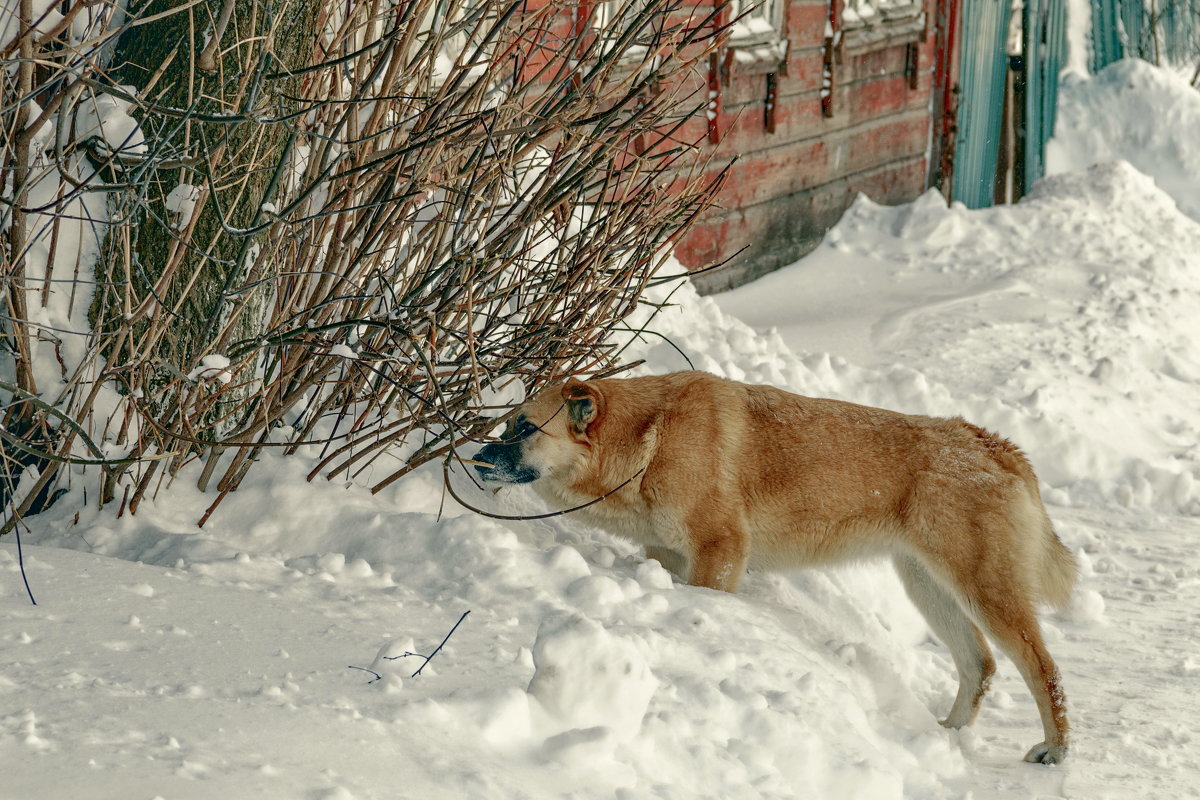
x,y
788,187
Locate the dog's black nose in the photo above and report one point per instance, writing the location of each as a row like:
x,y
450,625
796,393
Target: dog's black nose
x,y
506,466
493,455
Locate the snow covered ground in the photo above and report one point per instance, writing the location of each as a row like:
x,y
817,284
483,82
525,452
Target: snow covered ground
x,y
264,655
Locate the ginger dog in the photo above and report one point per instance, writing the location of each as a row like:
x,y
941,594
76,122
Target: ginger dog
x,y
727,475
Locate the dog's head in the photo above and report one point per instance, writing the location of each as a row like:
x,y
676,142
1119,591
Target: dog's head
x,y
553,434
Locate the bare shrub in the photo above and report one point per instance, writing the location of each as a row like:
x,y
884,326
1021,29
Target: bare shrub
x,y
239,225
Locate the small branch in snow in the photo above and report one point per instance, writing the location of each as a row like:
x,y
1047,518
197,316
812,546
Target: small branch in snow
x,y
406,654
429,657
21,562
440,646
377,677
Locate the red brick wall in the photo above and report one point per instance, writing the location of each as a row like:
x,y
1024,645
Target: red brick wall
x,y
788,187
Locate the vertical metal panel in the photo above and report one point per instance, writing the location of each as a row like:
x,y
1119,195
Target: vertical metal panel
x,y
983,69
1186,44
1169,29
1106,34
1126,29
1179,29
1134,35
1045,43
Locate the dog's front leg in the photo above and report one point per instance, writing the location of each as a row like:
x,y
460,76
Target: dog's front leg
x,y
718,554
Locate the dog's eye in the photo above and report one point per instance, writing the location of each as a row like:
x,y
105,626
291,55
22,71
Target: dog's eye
x,y
520,428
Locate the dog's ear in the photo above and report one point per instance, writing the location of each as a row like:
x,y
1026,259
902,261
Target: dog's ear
x,y
585,407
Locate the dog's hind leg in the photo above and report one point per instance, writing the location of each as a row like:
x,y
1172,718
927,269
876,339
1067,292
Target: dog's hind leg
x,y
1009,618
967,645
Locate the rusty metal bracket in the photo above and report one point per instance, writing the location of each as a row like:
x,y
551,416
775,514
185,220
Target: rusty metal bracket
x,y
833,57
912,65
770,102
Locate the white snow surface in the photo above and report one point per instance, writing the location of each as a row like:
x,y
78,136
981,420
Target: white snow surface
x,y
271,653
212,367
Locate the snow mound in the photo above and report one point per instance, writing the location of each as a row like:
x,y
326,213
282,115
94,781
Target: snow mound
x,y
587,678
1136,112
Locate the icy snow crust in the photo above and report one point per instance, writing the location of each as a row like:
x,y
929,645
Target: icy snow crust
x,y
216,662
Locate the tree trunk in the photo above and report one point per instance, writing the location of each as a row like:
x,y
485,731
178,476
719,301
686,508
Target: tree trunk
x,y
208,78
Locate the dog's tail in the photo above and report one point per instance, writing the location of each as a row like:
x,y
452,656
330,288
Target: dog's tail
x,y
1049,567
1054,569
1057,570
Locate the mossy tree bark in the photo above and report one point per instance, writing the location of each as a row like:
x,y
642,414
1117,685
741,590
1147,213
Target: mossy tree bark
x,y
217,105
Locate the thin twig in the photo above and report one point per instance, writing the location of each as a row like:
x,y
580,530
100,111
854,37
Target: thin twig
x,y
21,562
450,488
438,649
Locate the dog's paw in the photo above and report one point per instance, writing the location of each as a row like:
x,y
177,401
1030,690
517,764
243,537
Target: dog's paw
x,y
1043,753
956,721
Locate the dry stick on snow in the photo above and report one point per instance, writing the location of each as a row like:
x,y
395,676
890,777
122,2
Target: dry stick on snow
x,y
436,650
406,654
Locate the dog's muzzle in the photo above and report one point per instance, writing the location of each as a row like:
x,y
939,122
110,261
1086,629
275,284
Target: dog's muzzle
x,y
506,464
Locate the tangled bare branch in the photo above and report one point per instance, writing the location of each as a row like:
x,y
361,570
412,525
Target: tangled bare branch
x,y
278,223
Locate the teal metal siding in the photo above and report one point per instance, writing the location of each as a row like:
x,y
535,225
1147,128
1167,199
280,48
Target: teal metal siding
x,y
1126,29
1106,34
1169,30
1045,52
983,69
1179,21
1133,27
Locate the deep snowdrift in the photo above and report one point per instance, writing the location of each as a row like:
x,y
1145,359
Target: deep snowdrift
x,y
217,662
1134,111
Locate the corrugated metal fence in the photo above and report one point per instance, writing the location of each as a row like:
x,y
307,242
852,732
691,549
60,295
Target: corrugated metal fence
x,y
983,76
983,81
1154,30
1045,50
1180,22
